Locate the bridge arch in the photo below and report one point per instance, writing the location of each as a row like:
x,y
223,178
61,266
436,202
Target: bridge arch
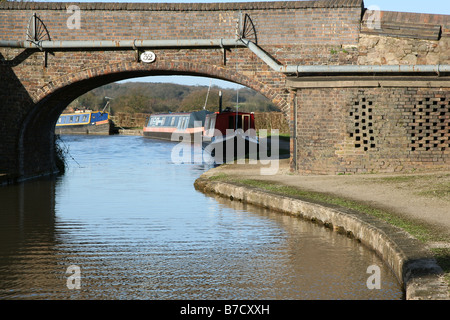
x,y
50,100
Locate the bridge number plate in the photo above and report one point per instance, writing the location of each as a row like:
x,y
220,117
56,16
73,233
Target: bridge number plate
x,y
148,57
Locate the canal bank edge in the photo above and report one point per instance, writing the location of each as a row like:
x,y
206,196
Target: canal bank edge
x,y
412,263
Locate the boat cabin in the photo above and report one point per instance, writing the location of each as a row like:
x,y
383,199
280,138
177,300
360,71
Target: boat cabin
x,y
228,119
163,125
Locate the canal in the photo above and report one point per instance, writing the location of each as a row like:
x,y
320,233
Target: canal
x,y
131,223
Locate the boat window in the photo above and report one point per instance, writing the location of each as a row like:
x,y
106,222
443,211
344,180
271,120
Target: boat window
x,y
59,120
77,119
212,123
239,122
84,118
71,119
181,123
246,120
230,122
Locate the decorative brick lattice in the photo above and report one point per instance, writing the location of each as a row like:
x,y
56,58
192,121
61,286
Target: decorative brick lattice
x,y
429,127
362,114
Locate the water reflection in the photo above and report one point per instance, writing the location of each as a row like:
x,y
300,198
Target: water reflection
x,y
27,236
137,228
316,263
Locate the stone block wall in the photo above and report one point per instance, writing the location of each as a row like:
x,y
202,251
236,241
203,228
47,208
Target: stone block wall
x,y
380,50
404,38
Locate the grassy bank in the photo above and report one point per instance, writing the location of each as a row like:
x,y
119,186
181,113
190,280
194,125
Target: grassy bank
x,y
423,232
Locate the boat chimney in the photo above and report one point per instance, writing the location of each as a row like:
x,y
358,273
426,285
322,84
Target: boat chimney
x,y
220,101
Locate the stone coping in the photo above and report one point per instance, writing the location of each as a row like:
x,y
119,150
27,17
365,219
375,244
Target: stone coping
x,y
410,17
412,263
183,6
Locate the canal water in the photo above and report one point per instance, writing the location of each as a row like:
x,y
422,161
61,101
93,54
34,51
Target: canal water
x,y
131,223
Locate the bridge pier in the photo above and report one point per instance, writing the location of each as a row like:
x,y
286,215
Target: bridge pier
x,y
370,126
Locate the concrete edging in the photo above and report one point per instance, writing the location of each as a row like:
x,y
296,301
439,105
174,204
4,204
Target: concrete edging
x,y
412,263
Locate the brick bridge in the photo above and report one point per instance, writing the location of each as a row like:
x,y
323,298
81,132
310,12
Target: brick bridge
x,y
363,90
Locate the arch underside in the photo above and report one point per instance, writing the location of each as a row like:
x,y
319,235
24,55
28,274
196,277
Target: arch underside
x,y
67,88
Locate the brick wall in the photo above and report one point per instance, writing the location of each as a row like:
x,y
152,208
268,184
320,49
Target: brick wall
x,y
130,120
295,22
264,120
271,120
362,130
380,128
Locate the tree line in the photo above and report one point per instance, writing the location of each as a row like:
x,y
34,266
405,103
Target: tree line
x,y
144,97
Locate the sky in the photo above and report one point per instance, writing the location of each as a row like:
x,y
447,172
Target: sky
x,y
419,6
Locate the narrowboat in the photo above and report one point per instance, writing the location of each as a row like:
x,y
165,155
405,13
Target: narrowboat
x,y
233,129
164,125
83,122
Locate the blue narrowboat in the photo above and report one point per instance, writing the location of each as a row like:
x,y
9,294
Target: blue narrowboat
x,y
83,122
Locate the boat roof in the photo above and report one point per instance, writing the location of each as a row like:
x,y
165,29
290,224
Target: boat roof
x,y
170,114
233,112
180,113
81,113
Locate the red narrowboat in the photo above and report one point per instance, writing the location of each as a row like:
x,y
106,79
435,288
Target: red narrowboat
x,y
230,134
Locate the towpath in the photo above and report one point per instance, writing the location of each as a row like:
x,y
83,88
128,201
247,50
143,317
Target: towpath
x,y
420,197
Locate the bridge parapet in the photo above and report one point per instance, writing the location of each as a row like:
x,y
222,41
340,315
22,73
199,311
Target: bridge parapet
x,y
293,22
